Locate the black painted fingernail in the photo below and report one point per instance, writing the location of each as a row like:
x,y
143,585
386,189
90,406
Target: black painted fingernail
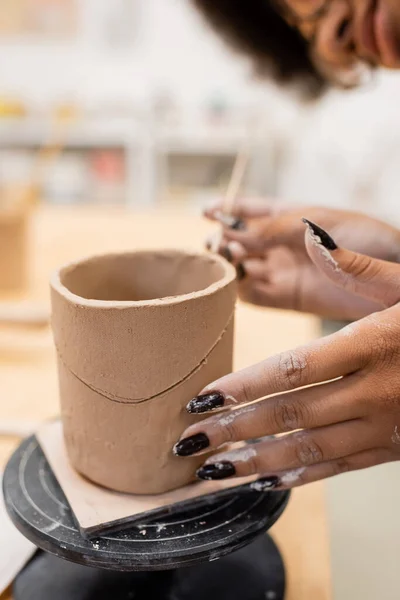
x,y
227,254
240,272
231,222
206,403
238,225
323,238
219,470
192,445
264,484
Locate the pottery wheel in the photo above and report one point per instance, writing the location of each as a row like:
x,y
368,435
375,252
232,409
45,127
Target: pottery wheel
x,y
39,509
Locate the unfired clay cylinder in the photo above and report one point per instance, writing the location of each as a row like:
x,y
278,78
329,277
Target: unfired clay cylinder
x,y
137,336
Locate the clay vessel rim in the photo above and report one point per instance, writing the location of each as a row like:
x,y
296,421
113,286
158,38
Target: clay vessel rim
x,y
226,279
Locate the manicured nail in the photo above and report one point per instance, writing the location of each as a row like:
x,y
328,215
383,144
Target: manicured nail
x,y
206,403
227,254
219,470
238,225
192,445
240,272
209,242
264,484
323,238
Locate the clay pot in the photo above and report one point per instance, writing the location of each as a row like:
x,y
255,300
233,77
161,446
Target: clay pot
x,y
137,336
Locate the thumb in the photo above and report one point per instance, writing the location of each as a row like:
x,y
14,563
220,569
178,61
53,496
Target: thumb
x,y
377,280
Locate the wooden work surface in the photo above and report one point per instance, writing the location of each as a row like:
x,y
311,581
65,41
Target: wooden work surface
x,y
28,376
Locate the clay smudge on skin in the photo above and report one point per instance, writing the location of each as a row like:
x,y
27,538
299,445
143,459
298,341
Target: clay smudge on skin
x,y
241,455
292,477
258,486
235,414
396,436
317,242
350,329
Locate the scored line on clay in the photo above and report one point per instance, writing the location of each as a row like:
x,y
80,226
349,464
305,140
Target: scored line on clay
x,y
121,400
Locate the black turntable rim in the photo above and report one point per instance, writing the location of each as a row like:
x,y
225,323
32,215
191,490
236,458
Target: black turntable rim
x,y
40,511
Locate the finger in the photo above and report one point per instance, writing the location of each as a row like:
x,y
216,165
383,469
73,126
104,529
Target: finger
x,y
212,241
371,278
272,295
233,252
322,360
295,451
323,405
304,475
263,233
264,286
355,462
245,208
255,268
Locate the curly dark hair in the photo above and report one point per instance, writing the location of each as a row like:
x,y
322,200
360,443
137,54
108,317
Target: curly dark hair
x,y
255,28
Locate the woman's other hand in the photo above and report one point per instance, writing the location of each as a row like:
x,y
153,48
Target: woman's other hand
x,y
275,269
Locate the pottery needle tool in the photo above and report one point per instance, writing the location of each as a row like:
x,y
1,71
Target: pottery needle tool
x,y
226,215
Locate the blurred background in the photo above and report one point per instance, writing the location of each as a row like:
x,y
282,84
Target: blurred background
x,y
139,102
136,105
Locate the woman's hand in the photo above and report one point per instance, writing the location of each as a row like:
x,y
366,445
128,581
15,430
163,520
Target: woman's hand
x,y
279,272
350,416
